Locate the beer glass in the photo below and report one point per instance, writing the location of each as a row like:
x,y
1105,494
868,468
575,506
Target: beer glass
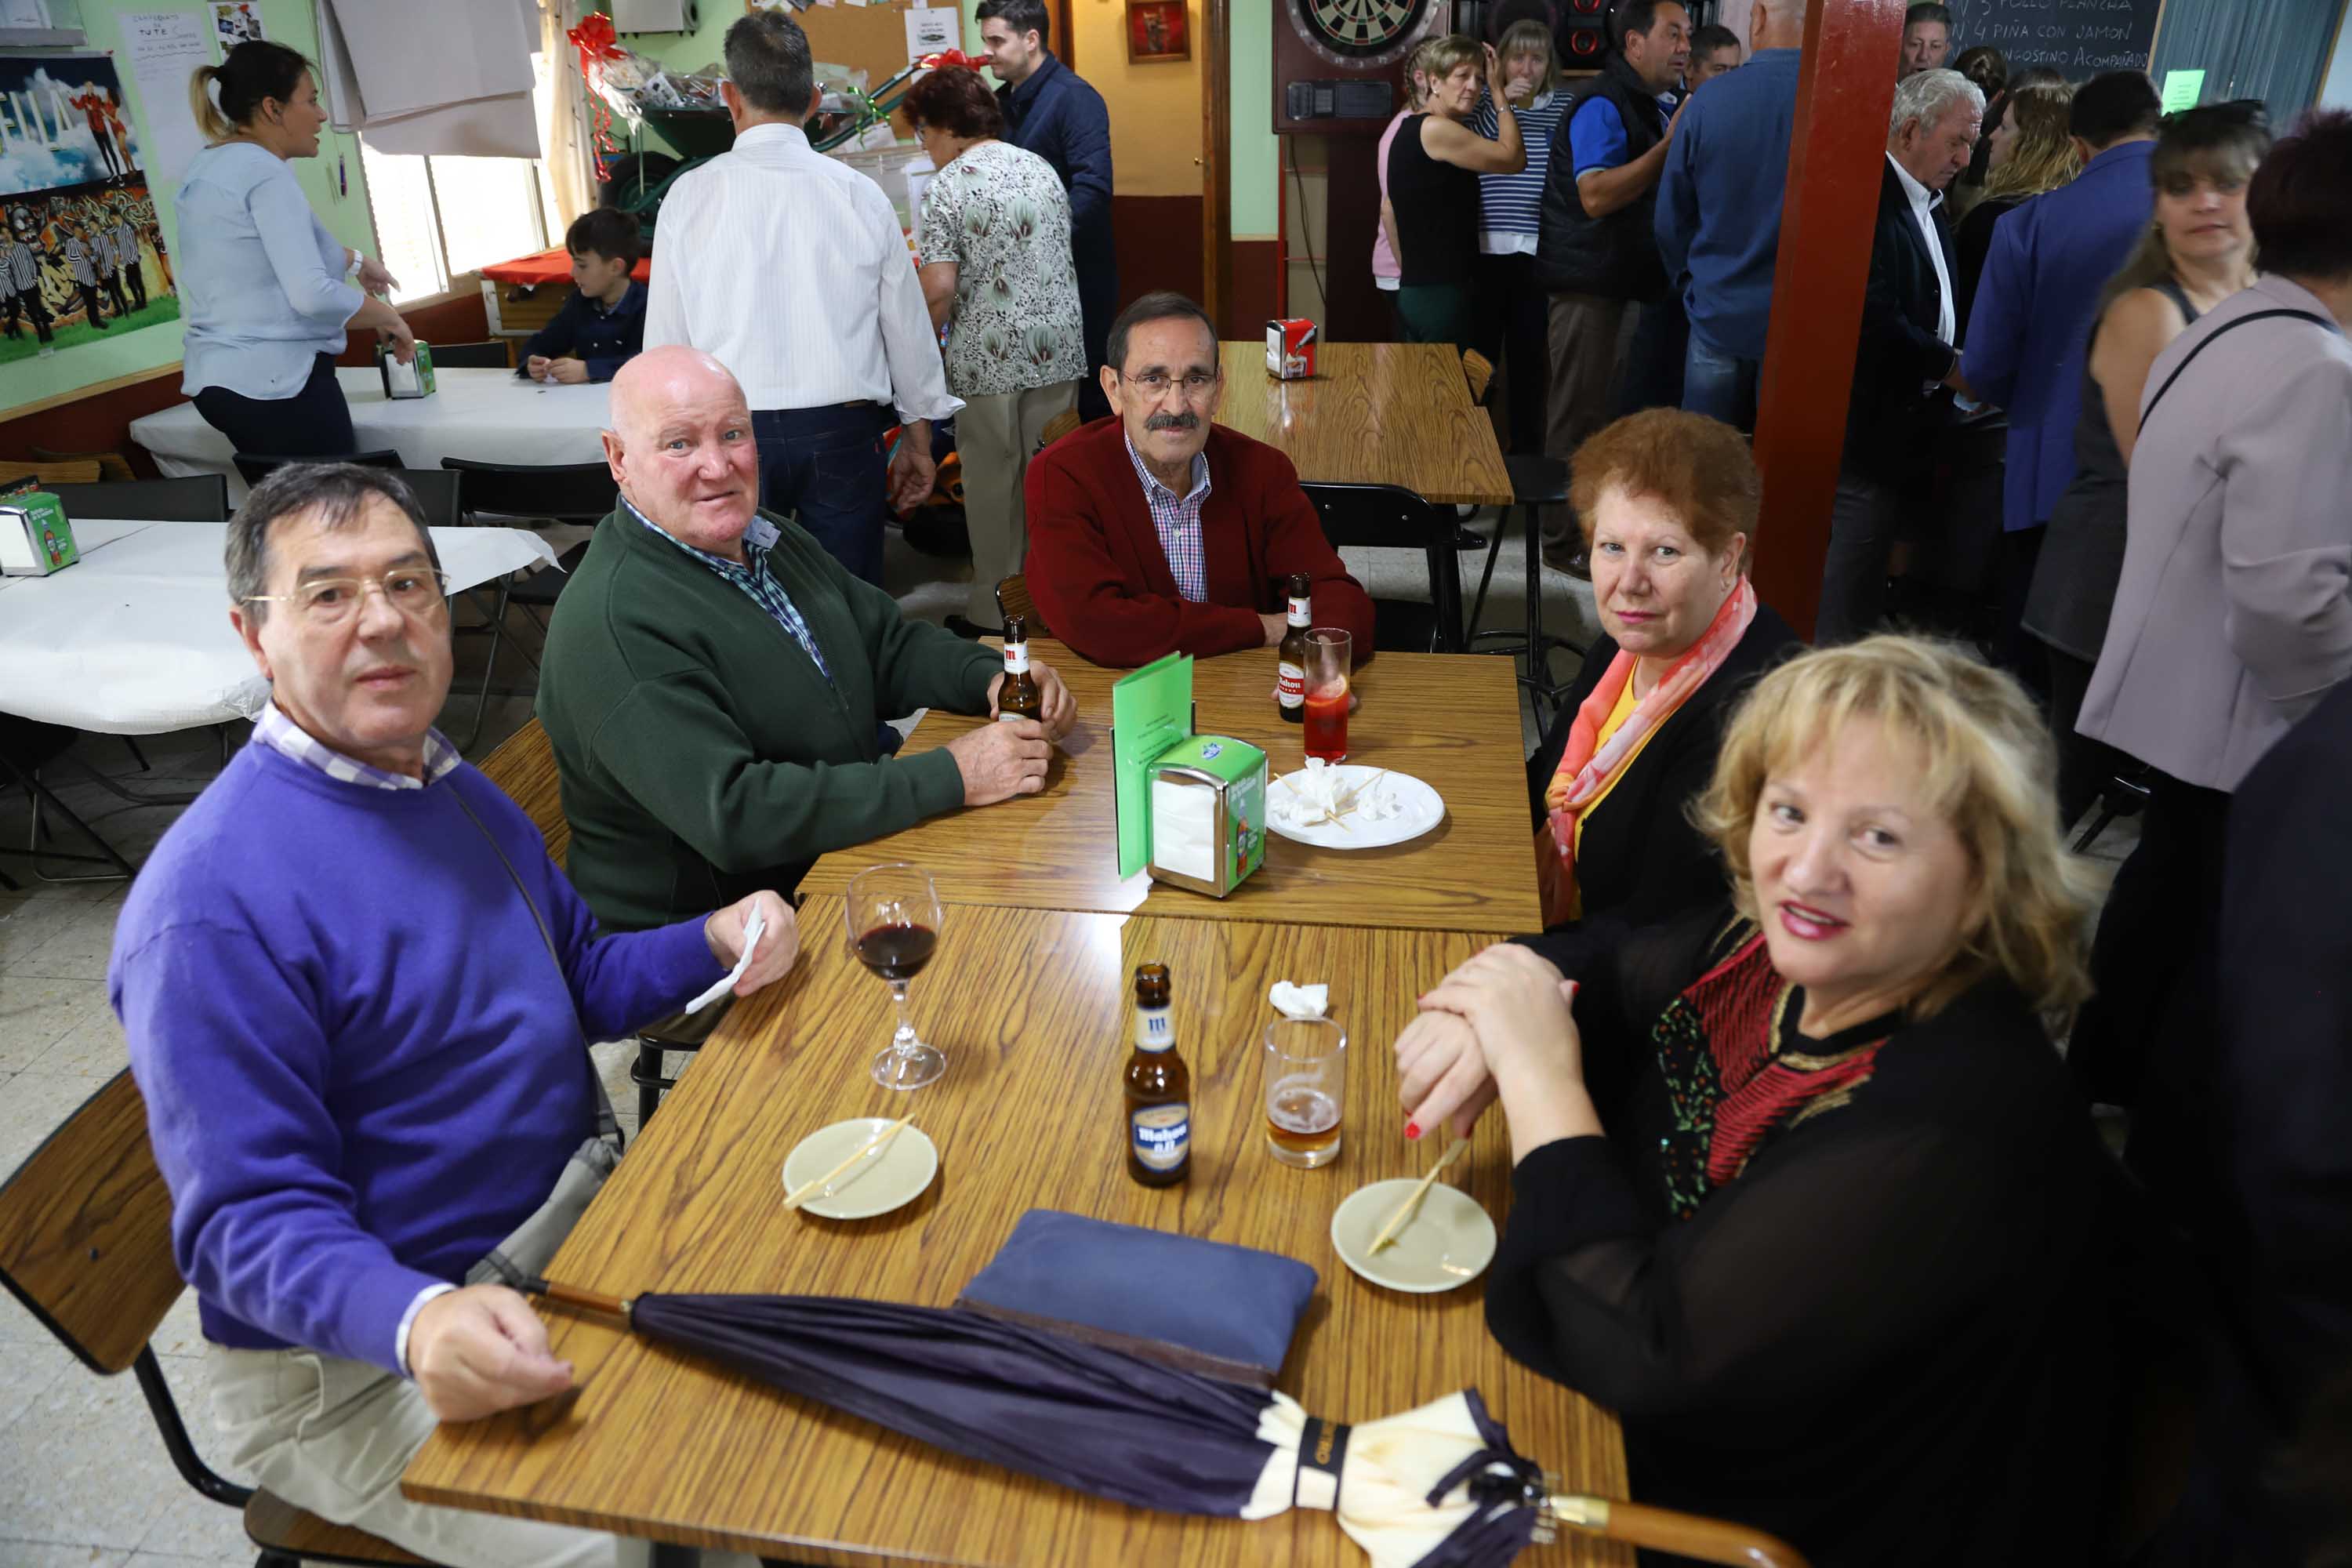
x,y
1306,1084
893,928
1329,663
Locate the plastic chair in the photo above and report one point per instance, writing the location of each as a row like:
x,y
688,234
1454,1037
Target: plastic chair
x,y
200,499
85,1244
256,466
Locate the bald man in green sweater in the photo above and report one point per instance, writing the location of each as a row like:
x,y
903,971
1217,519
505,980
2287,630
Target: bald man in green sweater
x,y
714,681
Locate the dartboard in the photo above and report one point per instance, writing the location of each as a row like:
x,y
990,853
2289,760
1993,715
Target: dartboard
x,y
1361,32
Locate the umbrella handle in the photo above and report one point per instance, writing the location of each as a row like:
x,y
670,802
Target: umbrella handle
x,y
573,1297
1664,1530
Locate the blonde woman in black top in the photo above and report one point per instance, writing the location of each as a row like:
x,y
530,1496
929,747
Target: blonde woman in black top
x,y
1433,176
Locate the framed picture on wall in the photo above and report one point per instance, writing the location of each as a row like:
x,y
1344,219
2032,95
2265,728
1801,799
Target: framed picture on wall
x,y
1157,30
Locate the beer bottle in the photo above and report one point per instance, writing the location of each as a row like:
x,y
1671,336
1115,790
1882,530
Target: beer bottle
x,y
1157,1125
1020,697
1290,659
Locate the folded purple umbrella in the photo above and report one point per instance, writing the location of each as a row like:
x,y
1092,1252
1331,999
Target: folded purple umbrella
x,y
1116,1426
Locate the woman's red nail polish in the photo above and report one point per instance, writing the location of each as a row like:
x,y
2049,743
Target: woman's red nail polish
x,y
1412,1129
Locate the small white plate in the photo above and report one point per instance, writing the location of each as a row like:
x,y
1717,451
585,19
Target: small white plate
x,y
1421,810
891,1178
1448,1241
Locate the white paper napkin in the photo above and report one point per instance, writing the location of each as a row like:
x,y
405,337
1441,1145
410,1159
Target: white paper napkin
x,y
752,932
1299,1001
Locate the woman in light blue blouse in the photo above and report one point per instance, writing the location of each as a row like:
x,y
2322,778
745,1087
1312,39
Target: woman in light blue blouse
x,y
264,289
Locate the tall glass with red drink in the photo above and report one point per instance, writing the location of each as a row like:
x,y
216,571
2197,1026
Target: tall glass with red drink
x,y
1329,662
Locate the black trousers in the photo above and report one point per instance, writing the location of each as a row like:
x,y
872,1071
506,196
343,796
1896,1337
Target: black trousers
x,y
113,281
2143,1039
1512,333
138,285
29,302
2084,765
314,423
89,304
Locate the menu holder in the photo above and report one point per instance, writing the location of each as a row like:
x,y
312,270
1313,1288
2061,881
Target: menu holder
x,y
1151,711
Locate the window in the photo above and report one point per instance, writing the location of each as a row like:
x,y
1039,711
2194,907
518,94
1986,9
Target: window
x,y
438,218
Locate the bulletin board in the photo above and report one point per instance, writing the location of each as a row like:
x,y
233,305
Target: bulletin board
x,y
871,38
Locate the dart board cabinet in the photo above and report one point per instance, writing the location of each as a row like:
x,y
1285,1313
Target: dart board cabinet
x,y
1338,64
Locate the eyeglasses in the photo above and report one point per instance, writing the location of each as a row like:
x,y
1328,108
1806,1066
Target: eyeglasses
x,y
1155,383
416,592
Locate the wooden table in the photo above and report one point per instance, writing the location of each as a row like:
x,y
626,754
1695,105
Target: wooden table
x,y
1031,1007
1450,721
1376,414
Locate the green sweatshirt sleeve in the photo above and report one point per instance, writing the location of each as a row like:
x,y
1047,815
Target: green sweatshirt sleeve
x,y
671,744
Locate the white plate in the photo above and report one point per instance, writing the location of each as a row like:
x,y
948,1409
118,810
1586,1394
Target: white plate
x,y
1448,1241
893,1178
1422,810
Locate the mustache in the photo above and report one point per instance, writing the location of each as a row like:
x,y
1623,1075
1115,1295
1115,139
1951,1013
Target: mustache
x,y
1186,421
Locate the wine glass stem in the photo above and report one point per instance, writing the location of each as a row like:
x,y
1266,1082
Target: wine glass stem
x,y
904,1041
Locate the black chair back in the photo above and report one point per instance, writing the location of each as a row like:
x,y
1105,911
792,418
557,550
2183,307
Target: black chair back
x,y
257,467
489,354
200,499
567,492
1386,516
438,495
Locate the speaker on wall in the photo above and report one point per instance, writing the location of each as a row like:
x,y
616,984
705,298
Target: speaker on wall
x,y
1582,33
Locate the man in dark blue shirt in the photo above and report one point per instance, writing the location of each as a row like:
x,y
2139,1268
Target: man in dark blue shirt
x,y
1719,220
603,326
1050,111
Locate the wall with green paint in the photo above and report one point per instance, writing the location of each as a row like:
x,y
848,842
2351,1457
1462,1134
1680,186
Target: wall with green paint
x,y
1255,154
289,21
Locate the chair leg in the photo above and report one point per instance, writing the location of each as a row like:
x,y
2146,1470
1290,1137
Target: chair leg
x,y
2098,826
647,1077
137,755
1445,592
176,1442
43,798
490,666
1486,575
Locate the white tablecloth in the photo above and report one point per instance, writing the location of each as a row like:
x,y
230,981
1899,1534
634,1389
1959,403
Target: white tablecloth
x,y
135,638
484,415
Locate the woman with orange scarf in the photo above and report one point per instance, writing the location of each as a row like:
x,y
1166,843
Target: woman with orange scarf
x,y
1668,503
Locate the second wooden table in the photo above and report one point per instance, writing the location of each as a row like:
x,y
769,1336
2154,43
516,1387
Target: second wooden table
x,y
1372,414
1450,721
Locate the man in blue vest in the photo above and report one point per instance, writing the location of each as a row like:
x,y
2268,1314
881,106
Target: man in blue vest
x,y
1596,254
1050,111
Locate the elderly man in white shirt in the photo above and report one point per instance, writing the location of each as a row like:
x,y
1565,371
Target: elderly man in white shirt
x,y
789,268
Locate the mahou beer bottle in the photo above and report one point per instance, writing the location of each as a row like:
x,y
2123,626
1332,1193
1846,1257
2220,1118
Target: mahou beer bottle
x,y
1019,697
1290,659
1158,1126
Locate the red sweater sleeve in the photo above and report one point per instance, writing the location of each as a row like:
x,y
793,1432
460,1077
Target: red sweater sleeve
x,y
1295,542
1079,584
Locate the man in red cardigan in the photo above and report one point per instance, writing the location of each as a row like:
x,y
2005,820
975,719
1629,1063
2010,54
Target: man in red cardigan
x,y
1158,531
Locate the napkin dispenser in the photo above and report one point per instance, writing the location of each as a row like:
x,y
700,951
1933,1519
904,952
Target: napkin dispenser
x,y
414,379
1208,814
36,537
1290,348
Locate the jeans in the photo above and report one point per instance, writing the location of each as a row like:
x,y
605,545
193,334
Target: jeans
x,y
828,469
315,422
1719,384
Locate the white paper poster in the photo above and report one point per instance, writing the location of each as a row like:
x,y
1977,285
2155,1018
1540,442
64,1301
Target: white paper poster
x,y
237,22
164,47
932,29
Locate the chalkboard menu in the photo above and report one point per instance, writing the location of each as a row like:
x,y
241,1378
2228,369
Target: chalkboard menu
x,y
2080,37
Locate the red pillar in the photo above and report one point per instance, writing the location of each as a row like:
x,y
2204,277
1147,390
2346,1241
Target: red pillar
x,y
1835,163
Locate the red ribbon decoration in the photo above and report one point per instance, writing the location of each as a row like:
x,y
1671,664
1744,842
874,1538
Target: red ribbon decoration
x,y
953,58
597,44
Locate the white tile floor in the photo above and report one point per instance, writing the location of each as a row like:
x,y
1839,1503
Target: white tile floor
x,y
84,1480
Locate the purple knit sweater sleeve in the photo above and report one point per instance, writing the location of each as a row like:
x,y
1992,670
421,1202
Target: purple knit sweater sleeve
x,y
262,1221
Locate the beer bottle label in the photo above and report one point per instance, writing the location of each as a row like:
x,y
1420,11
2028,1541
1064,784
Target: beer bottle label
x,y
1016,659
1163,1135
1298,612
1289,684
1154,1031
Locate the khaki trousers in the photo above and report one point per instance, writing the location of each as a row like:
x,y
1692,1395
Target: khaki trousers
x,y
997,434
1590,340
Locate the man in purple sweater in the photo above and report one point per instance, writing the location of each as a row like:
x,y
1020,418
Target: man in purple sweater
x,y
359,999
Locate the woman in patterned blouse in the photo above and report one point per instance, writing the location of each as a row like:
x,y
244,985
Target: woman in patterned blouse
x,y
992,248
1802,1190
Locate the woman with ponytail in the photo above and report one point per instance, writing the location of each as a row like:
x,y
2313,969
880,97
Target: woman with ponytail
x,y
266,290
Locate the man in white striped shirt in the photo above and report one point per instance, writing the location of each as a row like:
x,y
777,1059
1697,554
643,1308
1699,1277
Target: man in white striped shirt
x,y
789,268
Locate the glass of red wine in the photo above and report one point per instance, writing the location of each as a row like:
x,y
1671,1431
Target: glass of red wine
x,y
893,928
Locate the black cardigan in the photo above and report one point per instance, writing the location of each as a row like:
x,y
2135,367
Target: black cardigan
x,y
1641,861
1889,1339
